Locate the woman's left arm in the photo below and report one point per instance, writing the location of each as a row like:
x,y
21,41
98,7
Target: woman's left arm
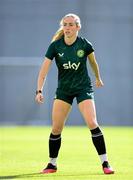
x,y
95,68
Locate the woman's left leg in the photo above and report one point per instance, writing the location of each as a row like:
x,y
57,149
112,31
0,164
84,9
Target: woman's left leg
x,y
88,111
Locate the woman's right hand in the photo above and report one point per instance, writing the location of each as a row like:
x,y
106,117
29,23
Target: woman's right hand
x,y
39,98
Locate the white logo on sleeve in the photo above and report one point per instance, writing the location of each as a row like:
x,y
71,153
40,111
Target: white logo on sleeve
x,y
70,65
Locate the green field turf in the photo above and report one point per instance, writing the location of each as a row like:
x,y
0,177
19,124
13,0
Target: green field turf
x,y
24,152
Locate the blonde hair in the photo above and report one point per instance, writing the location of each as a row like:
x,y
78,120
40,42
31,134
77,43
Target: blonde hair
x,y
59,33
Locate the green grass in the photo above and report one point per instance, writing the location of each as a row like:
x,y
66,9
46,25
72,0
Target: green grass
x,y
24,152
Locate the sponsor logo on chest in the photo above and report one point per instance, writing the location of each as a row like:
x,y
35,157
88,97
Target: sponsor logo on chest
x,y
70,65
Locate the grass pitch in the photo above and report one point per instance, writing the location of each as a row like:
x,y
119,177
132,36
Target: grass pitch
x,y
24,152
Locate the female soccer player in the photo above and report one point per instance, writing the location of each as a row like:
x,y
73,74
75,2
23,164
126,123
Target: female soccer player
x,y
71,53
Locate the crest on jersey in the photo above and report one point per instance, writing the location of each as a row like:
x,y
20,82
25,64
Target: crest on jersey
x,y
80,53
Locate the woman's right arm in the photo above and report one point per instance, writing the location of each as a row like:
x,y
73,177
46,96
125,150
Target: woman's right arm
x,y
41,79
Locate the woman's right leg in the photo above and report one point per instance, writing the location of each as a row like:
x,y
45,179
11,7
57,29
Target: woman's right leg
x,y
60,113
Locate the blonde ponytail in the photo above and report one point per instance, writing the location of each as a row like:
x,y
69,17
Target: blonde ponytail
x,y
58,34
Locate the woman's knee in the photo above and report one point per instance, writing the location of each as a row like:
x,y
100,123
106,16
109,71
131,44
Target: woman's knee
x,y
92,124
56,131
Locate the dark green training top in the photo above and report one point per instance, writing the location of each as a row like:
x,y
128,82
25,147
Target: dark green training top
x,y
71,62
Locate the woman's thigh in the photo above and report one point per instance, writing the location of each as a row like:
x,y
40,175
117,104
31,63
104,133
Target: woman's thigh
x,y
88,111
60,113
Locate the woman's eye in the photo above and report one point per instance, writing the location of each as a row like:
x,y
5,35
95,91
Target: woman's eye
x,y
70,24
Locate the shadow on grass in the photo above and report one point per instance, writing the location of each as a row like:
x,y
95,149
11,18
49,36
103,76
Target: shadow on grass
x,y
39,175
20,176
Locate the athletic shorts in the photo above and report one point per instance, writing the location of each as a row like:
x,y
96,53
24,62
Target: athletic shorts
x,y
80,96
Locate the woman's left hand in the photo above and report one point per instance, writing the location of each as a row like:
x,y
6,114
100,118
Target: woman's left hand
x,y
99,83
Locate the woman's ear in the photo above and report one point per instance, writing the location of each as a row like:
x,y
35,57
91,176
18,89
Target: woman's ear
x,y
78,28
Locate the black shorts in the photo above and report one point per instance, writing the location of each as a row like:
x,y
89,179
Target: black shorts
x,y
80,96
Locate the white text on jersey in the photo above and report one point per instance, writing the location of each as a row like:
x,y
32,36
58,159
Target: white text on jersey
x,y
71,66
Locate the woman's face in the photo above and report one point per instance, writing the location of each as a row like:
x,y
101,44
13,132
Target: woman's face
x,y
70,28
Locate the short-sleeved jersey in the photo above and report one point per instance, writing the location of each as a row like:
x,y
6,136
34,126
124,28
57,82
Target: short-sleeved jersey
x,y
71,62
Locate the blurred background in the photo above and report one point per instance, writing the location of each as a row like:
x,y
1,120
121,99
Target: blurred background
x,y
26,29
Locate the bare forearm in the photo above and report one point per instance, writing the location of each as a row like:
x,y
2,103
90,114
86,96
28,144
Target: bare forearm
x,y
94,65
95,69
40,82
43,74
